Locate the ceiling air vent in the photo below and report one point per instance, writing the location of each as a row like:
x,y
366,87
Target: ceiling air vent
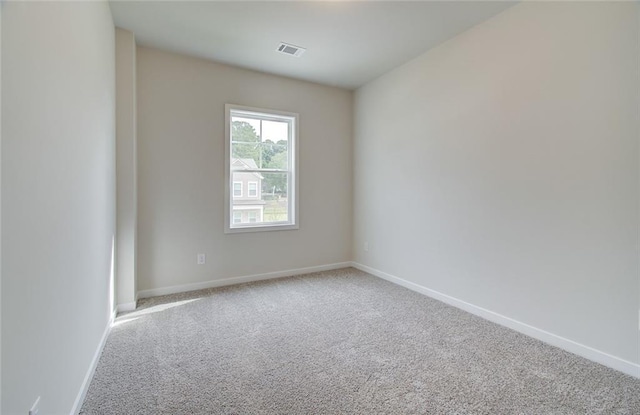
x,y
291,50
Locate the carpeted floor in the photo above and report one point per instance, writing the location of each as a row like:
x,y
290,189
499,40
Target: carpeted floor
x,y
337,342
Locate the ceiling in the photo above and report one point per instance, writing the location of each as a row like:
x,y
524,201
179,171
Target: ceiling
x,y
348,43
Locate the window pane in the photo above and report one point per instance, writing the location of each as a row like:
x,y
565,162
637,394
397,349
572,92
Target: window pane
x,y
248,181
275,130
245,129
259,144
275,155
275,195
268,203
266,155
246,156
250,205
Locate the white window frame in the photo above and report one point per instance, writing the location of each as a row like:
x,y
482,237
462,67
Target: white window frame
x,y
234,189
249,189
293,170
234,216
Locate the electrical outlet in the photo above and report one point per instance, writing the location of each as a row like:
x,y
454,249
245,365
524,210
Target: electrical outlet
x,y
35,408
366,247
202,258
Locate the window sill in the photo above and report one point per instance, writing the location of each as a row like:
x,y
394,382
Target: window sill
x,y
261,228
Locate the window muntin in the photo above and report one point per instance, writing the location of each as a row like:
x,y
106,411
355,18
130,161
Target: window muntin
x,y
261,155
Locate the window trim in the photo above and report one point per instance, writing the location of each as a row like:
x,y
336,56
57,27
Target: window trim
x,y
293,172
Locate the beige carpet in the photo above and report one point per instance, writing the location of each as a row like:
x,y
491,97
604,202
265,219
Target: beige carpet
x,y
332,343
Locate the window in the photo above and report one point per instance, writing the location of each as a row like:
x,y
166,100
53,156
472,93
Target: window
x,y
253,189
237,189
261,152
237,216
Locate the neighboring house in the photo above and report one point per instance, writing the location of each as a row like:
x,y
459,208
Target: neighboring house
x,y
248,206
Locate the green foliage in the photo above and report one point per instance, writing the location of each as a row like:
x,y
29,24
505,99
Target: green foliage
x,y
244,132
246,143
279,160
267,154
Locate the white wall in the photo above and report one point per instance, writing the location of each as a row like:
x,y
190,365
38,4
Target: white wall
x,y
501,168
58,204
1,6
181,169
126,168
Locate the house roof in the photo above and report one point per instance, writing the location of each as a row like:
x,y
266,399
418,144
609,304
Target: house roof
x,y
249,163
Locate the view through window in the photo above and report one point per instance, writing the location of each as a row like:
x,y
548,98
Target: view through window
x,y
261,169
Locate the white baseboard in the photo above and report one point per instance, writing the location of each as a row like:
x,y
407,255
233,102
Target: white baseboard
x,y
571,346
154,292
77,405
126,307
